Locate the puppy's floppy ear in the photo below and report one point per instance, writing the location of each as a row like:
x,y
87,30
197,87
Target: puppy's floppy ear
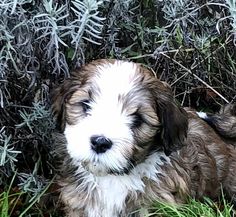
x,y
173,118
59,96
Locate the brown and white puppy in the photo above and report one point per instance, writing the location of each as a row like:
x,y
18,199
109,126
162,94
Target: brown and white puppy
x,y
125,143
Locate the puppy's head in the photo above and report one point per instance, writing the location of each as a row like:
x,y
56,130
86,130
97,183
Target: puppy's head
x,y
115,113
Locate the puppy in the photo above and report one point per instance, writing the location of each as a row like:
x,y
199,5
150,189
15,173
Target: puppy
x,y
125,143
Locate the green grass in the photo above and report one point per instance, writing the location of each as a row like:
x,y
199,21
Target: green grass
x,y
12,202
194,208
8,200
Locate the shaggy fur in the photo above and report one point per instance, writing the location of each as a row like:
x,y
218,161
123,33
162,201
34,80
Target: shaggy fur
x,y
125,143
224,122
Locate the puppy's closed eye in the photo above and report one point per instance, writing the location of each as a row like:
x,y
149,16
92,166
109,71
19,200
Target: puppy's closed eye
x,y
85,104
137,120
78,109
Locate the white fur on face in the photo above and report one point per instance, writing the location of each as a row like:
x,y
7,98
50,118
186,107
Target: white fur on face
x,y
105,118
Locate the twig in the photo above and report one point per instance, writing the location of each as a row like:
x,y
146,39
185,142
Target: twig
x,y
179,78
195,76
153,55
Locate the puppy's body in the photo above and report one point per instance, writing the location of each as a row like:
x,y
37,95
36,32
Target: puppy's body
x,y
224,122
126,144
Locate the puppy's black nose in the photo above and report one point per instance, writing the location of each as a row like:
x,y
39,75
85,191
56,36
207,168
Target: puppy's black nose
x,y
100,144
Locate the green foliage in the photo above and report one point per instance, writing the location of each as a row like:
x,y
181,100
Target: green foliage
x,y
231,5
7,152
87,22
195,209
4,200
190,44
10,202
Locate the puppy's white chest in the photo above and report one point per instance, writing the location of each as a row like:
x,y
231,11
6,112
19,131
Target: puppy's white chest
x,y
112,192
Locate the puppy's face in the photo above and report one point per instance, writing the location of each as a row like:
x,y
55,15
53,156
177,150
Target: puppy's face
x,y
114,114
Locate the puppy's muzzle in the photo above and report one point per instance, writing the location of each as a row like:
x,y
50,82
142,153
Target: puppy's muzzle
x,y
100,144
